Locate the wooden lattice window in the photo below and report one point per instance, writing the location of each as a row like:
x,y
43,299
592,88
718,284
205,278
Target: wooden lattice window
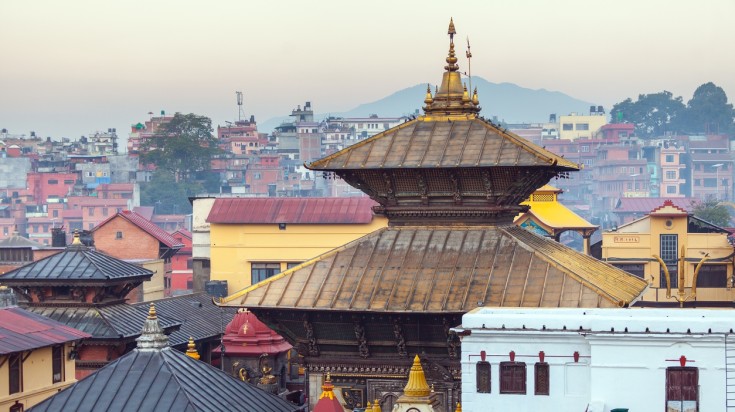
x,y
541,378
483,377
682,389
513,377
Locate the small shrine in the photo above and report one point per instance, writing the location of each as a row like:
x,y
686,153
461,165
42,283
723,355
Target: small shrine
x,y
546,216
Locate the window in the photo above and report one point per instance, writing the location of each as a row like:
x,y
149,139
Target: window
x,y
69,182
682,389
15,368
671,174
55,213
290,265
669,158
262,271
90,211
585,149
513,377
567,126
583,126
57,363
104,211
189,284
53,182
710,182
118,235
697,182
635,269
541,378
483,376
671,189
668,248
712,276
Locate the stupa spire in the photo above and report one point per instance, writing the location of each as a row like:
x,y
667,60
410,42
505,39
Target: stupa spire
x,y
152,337
416,386
191,349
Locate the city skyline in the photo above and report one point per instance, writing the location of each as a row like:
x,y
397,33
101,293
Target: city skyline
x,y
76,67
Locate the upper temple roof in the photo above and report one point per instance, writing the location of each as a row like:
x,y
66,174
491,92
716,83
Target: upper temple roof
x,y
430,142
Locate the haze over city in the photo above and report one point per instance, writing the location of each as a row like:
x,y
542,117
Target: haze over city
x,y
70,68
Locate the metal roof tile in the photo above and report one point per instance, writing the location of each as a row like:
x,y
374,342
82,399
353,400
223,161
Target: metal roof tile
x,y
292,210
22,330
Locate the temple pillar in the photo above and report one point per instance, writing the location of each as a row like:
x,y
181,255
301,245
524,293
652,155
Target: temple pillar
x,y
586,244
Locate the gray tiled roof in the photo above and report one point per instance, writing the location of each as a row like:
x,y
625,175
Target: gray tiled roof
x,y
162,380
105,322
200,317
76,264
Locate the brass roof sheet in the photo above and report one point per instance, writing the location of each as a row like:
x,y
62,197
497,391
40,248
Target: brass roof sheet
x,y
428,142
445,269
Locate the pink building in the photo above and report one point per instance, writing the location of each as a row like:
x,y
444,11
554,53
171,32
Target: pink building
x,y
182,277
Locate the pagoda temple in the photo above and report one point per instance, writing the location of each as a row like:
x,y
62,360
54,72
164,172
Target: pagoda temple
x,y
450,184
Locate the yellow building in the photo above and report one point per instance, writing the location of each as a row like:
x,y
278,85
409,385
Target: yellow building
x,y
36,355
574,126
252,239
682,242
547,217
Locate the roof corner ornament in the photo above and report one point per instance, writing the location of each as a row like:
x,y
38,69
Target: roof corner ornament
x,y
681,295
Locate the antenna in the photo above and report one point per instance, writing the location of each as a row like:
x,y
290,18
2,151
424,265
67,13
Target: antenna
x,y
469,62
239,106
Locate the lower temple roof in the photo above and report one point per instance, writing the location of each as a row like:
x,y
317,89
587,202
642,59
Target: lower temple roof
x,y
443,269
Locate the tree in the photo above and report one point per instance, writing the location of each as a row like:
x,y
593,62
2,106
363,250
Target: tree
x,y
653,114
709,112
167,195
710,210
183,146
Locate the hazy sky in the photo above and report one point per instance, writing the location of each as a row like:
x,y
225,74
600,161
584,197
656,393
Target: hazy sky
x,y
70,67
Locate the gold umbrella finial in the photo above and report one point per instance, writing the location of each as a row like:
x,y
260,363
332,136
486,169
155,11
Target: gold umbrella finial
x,y
451,32
191,349
429,98
152,312
475,99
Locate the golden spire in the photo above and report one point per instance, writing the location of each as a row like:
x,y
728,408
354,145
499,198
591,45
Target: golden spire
x,y
465,95
327,388
475,99
76,241
416,386
459,407
428,100
451,59
369,407
152,312
376,406
191,350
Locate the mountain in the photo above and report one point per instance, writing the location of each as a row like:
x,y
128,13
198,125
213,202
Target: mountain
x,y
507,101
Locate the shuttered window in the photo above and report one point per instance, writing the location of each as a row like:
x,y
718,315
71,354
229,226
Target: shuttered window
x,y
15,371
483,377
541,378
513,377
57,363
682,389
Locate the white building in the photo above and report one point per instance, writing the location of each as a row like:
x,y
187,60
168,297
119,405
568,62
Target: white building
x,y
598,360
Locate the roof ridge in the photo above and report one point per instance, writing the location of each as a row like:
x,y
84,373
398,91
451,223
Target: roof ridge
x,y
173,371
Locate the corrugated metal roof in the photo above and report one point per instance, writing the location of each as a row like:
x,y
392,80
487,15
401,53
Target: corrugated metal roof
x,y
200,317
424,143
647,204
311,210
105,322
146,225
76,263
22,330
446,269
162,380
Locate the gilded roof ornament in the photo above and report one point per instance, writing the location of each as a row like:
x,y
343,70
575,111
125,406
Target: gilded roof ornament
x,y
451,32
376,406
327,388
475,99
459,407
152,312
152,337
429,99
416,386
191,350
465,95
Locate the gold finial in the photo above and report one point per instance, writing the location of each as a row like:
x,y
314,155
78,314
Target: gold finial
x,y
475,99
152,312
459,407
429,99
76,240
416,386
191,350
465,95
376,406
451,32
369,407
451,59
327,387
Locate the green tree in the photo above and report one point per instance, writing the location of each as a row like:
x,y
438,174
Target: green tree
x,y
652,114
710,210
167,195
709,112
183,146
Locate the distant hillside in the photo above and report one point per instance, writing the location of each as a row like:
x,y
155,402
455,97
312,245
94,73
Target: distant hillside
x,y
508,101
